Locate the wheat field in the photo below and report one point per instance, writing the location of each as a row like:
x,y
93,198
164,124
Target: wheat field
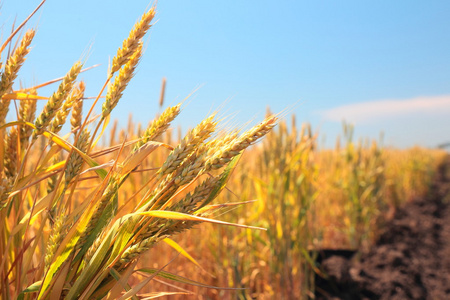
x,y
144,214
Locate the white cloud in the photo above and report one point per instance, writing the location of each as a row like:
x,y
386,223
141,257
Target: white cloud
x,y
367,112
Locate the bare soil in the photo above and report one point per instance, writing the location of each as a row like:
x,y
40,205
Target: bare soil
x,y
411,259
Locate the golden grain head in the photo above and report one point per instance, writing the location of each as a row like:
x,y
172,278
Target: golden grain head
x,y
77,109
131,43
121,81
189,143
54,103
159,126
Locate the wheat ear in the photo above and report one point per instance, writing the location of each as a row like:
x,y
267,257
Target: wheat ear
x,y
184,174
137,249
27,112
121,81
55,126
5,187
158,126
75,161
95,245
12,67
190,142
201,192
60,118
11,153
187,205
77,109
130,44
220,157
203,161
57,235
106,198
55,101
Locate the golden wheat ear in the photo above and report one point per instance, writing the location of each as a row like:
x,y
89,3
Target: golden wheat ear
x,y
77,109
59,120
159,126
12,67
130,44
189,143
121,81
54,103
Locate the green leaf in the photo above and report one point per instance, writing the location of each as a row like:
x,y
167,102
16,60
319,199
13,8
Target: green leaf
x,y
34,288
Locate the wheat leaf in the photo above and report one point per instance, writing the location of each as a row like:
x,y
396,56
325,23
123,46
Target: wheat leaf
x,y
164,214
180,249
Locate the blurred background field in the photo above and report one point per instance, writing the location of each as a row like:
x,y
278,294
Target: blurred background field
x,y
309,198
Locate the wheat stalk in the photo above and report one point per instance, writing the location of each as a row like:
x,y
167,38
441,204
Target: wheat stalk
x,y
163,91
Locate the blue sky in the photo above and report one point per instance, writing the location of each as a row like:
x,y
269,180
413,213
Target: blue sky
x,y
382,65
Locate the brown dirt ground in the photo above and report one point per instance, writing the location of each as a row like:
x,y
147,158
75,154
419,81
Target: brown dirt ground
x,y
411,259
